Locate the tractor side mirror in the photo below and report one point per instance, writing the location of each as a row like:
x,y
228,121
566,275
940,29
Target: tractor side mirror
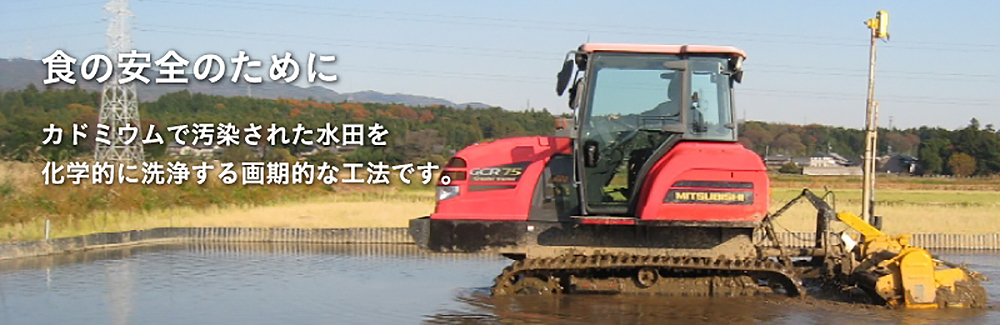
x,y
562,78
574,100
591,153
736,65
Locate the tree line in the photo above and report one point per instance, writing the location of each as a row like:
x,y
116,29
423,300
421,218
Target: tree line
x,y
432,132
972,150
415,133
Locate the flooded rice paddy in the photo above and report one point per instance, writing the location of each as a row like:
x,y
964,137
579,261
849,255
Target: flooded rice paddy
x,y
373,284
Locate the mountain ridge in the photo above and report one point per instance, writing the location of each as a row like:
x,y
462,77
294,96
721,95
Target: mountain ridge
x,y
16,74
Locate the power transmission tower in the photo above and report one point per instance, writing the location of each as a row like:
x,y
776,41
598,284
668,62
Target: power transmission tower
x,y
119,103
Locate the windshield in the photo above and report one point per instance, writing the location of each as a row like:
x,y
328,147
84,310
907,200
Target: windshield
x,y
632,92
635,92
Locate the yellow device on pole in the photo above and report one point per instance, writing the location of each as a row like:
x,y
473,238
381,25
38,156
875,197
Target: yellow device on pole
x,y
880,24
879,30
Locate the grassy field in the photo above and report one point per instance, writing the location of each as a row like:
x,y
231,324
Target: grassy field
x,y
908,205
888,182
25,204
906,211
371,209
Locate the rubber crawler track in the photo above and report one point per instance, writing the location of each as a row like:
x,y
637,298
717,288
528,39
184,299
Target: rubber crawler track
x,y
580,263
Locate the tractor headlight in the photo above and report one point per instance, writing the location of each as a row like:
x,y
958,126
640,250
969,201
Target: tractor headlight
x,y
446,192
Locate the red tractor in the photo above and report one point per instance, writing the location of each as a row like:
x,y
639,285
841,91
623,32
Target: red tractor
x,y
649,189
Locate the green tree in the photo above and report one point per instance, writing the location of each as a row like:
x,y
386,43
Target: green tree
x,y
374,154
325,156
982,145
240,153
419,144
900,142
931,162
932,154
278,154
746,142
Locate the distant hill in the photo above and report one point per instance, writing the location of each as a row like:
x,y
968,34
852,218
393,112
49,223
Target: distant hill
x,y
16,74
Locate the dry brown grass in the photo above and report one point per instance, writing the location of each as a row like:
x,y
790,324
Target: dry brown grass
x,y
389,207
889,182
907,219
908,205
321,212
25,204
906,211
315,215
20,175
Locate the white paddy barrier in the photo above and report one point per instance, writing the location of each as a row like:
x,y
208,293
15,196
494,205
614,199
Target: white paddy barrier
x,y
384,235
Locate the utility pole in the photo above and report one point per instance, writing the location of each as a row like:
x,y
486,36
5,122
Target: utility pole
x,y
119,103
879,30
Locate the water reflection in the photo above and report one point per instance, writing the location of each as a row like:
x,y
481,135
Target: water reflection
x,y
367,251
477,306
215,283
120,286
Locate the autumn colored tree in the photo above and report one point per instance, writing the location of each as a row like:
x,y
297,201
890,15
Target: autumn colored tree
x,y
360,114
23,113
351,106
357,112
426,116
403,112
962,164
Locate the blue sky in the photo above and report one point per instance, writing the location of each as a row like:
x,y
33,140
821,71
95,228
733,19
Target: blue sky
x,y
807,61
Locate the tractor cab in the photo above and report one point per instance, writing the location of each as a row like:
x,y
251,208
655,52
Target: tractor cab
x,y
634,103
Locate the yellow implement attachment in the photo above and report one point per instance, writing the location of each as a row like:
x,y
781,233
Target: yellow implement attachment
x,y
907,276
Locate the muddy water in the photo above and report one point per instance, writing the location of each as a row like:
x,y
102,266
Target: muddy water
x,y
323,284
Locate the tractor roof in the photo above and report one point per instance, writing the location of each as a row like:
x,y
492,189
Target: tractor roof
x,y
662,49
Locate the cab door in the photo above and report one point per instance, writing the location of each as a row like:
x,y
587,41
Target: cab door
x,y
630,105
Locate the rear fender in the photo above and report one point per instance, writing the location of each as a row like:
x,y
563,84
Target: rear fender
x,y
706,182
